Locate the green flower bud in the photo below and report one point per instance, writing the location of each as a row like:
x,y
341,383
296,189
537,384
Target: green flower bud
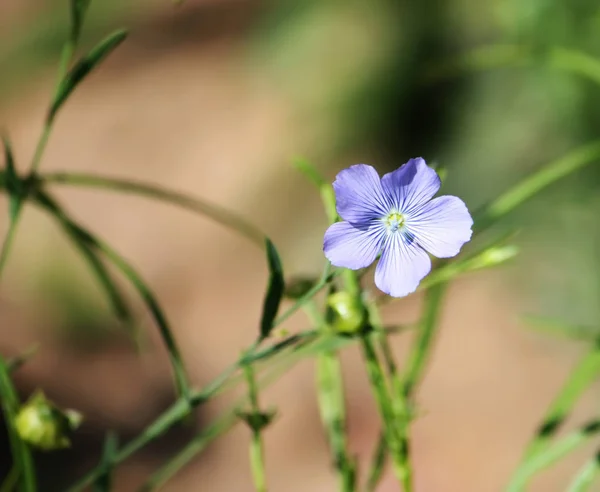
x,y
346,313
43,425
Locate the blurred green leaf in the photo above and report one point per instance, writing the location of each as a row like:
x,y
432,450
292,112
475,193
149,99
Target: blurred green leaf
x,y
78,11
20,451
586,477
546,458
83,67
535,183
13,184
559,327
275,291
214,212
52,207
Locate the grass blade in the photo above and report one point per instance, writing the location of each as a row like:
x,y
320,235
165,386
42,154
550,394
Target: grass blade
x,y
274,291
83,68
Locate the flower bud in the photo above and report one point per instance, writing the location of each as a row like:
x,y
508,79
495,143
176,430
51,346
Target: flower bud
x,y
346,313
43,425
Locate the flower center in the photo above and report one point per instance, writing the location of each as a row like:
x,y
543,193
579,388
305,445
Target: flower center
x,y
394,221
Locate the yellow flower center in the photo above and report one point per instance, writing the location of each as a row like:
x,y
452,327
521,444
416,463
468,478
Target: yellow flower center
x,y
394,221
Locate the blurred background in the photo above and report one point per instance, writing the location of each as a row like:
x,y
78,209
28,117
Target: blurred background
x,y
216,98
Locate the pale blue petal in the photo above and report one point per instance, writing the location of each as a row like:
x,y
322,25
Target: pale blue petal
x,y
359,195
441,226
402,266
411,185
353,247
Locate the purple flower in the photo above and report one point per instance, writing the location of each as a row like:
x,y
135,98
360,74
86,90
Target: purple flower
x,y
395,216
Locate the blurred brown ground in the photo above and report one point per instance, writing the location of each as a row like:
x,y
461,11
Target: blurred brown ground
x,y
197,119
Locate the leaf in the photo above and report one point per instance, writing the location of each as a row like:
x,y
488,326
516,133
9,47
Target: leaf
x,y
49,204
309,171
104,482
78,11
83,67
535,183
13,183
20,451
275,291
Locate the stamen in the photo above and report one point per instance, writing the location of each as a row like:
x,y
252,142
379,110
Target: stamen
x,y
394,221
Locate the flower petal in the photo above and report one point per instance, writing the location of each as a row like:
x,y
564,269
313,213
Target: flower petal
x,y
411,185
359,195
441,226
353,247
402,266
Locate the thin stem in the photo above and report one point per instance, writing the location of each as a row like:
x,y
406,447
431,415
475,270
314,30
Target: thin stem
x,y
330,393
219,214
586,476
257,458
416,365
582,376
551,455
377,464
382,398
73,228
35,161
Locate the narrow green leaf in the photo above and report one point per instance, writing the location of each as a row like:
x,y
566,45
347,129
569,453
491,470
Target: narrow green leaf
x,y
550,456
13,183
104,482
105,279
78,11
535,183
21,454
274,291
558,327
47,203
585,478
212,211
83,67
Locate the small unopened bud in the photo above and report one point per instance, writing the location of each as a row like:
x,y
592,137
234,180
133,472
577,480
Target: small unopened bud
x,y
495,256
346,312
43,425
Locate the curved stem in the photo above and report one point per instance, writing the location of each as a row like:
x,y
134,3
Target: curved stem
x,y
215,212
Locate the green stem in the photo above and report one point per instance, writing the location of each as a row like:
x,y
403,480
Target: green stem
x,y
377,464
146,294
220,215
35,163
582,376
586,476
421,350
399,405
257,458
386,412
330,393
551,455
